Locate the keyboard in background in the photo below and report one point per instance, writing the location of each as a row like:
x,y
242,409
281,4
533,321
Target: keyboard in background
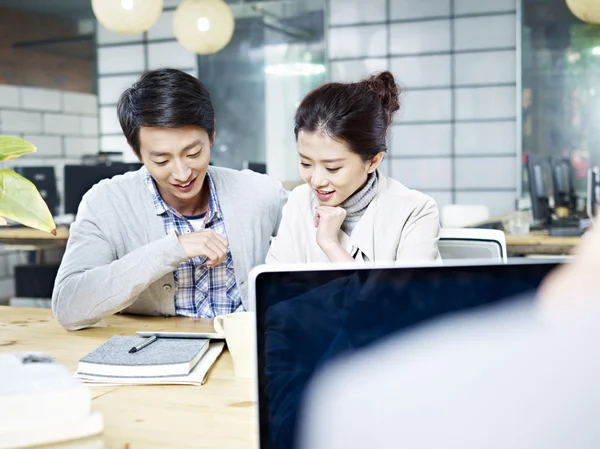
x,y
558,231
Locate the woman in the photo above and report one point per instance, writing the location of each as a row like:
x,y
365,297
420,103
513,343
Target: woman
x,y
347,210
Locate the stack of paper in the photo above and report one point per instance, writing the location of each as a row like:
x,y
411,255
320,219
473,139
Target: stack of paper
x,y
41,402
166,361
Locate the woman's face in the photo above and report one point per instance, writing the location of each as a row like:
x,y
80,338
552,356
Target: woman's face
x,y
330,168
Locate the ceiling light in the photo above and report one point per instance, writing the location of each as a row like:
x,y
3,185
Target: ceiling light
x,y
127,16
203,26
586,10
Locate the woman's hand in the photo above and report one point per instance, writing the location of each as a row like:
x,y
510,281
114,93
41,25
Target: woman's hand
x,y
328,221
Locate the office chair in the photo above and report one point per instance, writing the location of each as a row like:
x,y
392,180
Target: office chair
x,y
468,243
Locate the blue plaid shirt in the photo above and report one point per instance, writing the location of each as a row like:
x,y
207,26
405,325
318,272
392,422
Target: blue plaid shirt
x,y
200,291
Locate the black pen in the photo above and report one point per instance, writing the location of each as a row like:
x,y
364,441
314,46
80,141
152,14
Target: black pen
x,y
148,341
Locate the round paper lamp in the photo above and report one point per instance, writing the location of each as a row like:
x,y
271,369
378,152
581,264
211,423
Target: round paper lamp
x,y
586,10
203,26
127,16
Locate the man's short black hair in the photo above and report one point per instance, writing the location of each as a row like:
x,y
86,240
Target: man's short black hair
x,y
166,98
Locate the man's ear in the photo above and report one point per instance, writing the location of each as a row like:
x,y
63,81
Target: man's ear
x,y
375,161
139,156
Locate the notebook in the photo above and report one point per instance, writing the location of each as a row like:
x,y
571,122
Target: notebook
x,y
164,357
197,376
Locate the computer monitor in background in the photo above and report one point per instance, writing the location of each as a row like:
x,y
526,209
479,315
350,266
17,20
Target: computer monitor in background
x,y
563,185
44,179
258,167
78,179
538,173
593,191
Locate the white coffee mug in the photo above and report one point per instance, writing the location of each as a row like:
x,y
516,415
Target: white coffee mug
x,y
240,334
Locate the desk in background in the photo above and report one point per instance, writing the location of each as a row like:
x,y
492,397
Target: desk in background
x,y
540,243
534,243
220,414
27,239
37,269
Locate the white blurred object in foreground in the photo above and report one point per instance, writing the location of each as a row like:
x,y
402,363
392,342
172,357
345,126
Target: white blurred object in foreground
x,y
504,377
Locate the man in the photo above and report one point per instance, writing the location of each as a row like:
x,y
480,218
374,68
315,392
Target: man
x,y
519,376
176,237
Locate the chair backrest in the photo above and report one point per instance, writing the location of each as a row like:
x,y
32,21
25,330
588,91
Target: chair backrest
x,y
461,243
461,215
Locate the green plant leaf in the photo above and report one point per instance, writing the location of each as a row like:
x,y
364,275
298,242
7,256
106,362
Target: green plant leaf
x,y
13,147
20,201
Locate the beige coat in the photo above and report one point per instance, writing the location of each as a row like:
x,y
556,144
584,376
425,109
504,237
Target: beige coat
x,y
400,224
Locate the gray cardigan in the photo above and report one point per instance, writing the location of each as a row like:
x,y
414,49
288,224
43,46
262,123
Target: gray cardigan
x,y
120,259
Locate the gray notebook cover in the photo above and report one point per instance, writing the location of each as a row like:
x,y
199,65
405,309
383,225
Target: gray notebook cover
x,y
164,351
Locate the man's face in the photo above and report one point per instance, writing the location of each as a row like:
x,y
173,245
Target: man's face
x,y
177,159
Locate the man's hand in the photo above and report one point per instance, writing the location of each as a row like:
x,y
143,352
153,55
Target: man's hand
x,y
328,221
205,243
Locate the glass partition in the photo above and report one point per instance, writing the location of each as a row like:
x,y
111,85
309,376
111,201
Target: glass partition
x,y
276,56
560,88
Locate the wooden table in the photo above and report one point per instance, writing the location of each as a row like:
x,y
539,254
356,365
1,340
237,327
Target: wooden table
x,y
32,239
539,242
220,414
536,242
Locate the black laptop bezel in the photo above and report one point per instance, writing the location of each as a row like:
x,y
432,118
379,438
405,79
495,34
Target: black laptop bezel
x,y
263,275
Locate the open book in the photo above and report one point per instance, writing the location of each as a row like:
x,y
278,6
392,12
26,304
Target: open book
x,y
166,361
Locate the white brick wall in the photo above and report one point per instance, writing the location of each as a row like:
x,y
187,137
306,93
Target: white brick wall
x,y
20,121
9,96
169,54
62,125
77,103
49,145
77,146
38,99
89,126
455,137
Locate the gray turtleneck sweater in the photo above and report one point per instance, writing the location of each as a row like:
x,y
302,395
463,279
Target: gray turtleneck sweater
x,y
358,202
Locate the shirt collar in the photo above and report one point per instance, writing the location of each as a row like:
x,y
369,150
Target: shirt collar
x,y
160,207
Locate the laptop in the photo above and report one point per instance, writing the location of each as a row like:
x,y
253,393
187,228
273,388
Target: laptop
x,y
307,315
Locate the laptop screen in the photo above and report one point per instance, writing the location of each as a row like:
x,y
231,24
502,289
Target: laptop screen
x,y
307,318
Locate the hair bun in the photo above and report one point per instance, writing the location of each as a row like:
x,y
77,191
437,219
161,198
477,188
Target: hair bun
x,y
384,85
